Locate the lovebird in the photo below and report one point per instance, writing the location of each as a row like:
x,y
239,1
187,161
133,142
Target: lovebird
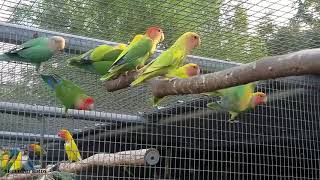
x,y
237,99
37,149
137,53
17,163
97,60
70,146
13,153
4,159
185,71
170,59
69,94
35,51
22,162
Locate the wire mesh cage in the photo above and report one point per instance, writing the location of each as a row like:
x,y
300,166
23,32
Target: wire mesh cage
x,y
181,138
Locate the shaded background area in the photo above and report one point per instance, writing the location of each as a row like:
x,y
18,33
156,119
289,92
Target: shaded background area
x,y
279,140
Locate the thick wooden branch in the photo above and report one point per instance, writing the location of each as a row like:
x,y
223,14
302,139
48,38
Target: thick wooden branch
x,y
293,64
123,81
136,157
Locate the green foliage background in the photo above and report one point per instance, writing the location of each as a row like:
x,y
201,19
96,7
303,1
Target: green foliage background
x,y
223,25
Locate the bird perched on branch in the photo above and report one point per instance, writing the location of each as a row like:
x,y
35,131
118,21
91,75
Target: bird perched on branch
x,y
170,59
185,71
70,146
138,51
237,99
37,149
8,158
70,95
97,60
4,159
22,162
35,51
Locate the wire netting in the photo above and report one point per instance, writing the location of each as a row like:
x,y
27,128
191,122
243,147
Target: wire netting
x,y
279,140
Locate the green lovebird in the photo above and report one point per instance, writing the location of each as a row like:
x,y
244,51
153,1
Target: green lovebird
x,y
97,60
22,162
35,51
8,161
69,94
170,59
237,99
137,53
185,71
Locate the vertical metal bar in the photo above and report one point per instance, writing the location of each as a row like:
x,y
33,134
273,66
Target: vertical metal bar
x,y
42,132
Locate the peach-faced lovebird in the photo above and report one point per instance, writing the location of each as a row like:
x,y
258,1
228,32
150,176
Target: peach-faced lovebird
x,y
237,99
97,60
70,95
35,51
13,153
170,59
185,71
37,149
22,162
136,54
70,146
4,158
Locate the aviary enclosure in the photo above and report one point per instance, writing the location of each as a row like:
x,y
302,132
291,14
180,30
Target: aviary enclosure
x,y
124,136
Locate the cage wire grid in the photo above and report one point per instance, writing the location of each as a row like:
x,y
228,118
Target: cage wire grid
x,y
279,140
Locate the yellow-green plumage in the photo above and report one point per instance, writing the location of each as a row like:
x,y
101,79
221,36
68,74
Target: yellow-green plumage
x,y
72,151
185,71
70,146
17,165
4,158
235,99
170,59
97,60
37,149
13,153
35,51
137,53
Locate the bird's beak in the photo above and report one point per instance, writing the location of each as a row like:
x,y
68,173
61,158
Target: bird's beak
x,y
91,106
199,43
265,99
162,37
59,134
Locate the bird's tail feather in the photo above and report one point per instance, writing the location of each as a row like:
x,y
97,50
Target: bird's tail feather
x,y
156,101
113,72
213,105
141,78
4,57
51,80
215,93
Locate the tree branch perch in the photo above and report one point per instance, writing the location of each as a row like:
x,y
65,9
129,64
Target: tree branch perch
x,y
123,81
292,64
135,157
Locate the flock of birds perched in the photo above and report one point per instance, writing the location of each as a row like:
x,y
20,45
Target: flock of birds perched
x,y
112,62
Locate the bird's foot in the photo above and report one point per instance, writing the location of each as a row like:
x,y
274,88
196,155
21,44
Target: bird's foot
x,y
173,79
233,121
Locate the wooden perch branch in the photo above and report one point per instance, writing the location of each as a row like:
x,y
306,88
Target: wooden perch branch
x,y
121,82
136,157
293,64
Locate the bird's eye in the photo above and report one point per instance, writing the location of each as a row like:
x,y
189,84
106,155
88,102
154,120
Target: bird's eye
x,y
195,37
159,30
